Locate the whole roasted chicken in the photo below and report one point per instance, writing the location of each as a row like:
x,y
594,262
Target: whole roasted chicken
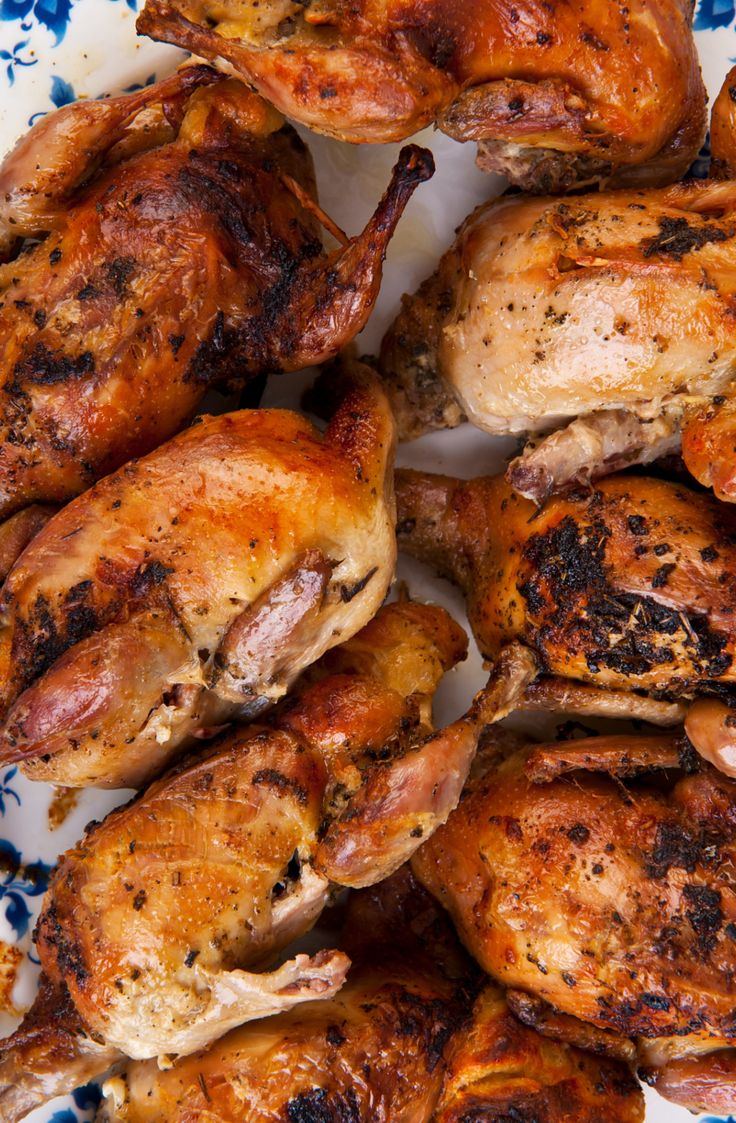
x,y
555,96
192,587
626,594
402,1042
610,314
183,250
153,925
609,907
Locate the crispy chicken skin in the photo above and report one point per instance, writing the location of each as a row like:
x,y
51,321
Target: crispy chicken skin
x,y
544,310
554,97
628,587
615,309
154,924
193,586
611,902
401,1043
192,257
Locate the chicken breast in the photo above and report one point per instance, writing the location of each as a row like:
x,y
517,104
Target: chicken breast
x,y
610,901
193,586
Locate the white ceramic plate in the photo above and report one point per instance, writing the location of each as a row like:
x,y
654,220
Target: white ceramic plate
x,y
52,51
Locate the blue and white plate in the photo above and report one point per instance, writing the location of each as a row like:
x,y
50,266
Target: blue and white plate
x,y
53,51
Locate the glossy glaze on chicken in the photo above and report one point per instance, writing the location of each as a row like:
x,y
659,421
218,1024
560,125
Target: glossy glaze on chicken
x,y
554,95
153,925
193,586
607,905
402,1042
611,313
192,257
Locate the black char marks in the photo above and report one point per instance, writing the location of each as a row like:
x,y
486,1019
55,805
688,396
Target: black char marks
x,y
45,367
572,603
677,237
321,1106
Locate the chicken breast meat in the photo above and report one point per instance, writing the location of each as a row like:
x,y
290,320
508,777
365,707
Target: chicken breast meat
x,y
182,250
554,96
611,314
625,594
154,926
193,586
402,1042
607,906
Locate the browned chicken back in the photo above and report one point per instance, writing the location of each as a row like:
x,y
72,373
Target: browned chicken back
x,y
192,257
627,588
192,586
555,96
401,1043
612,901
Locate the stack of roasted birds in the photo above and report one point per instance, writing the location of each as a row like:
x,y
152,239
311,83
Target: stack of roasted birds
x,y
196,606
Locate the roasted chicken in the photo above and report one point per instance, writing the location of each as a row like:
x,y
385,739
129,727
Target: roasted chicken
x,y
607,906
183,251
555,96
627,590
401,1043
152,926
611,314
192,587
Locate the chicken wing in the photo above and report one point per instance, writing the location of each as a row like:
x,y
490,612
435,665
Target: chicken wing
x,y
611,902
554,96
401,1043
610,314
193,586
629,587
155,924
192,257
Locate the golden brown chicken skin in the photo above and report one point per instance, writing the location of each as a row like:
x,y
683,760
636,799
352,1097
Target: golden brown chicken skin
x,y
628,587
153,925
611,901
607,317
192,258
401,1043
581,92
193,586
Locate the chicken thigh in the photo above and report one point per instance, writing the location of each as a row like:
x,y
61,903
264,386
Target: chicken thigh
x,y
630,589
192,257
554,95
153,925
192,586
611,314
609,907
401,1043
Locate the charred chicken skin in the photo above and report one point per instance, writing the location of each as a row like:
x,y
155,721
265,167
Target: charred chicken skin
x,y
582,92
152,926
183,250
611,314
193,586
630,587
608,907
401,1043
